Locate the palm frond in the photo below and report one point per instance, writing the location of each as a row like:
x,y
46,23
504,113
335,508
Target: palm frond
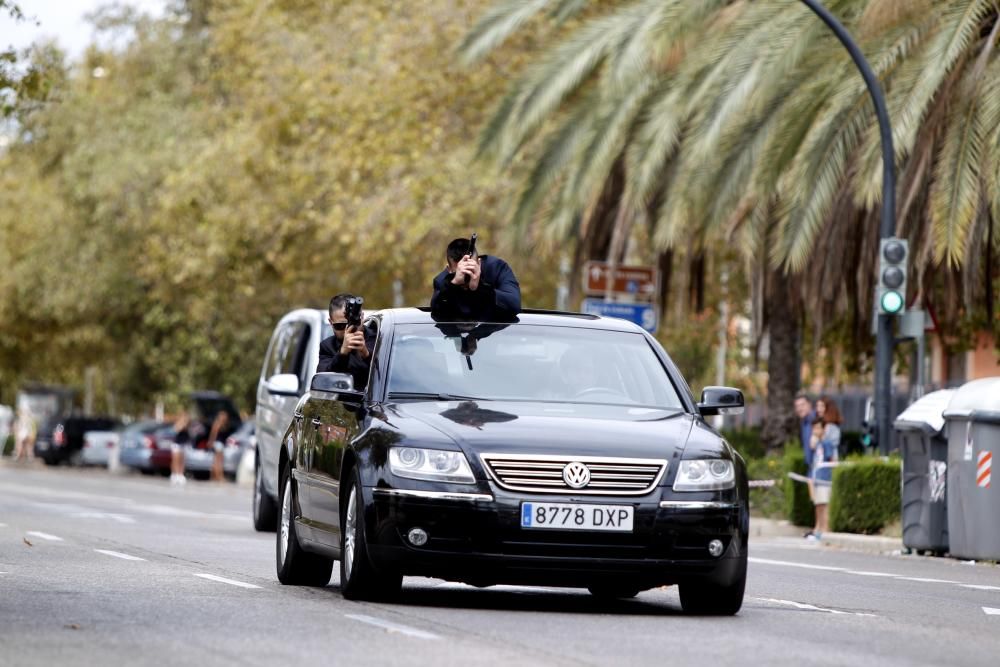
x,y
499,23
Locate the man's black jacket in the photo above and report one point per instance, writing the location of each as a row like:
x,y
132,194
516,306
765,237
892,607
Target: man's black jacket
x,y
496,299
331,360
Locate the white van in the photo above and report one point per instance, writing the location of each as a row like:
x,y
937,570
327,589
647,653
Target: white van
x,y
288,368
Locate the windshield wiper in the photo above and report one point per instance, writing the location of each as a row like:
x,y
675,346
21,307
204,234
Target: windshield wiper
x,y
432,396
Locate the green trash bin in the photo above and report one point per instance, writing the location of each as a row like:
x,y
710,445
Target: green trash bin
x,y
973,427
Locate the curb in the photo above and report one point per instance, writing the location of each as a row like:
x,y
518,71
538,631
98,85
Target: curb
x,y
761,527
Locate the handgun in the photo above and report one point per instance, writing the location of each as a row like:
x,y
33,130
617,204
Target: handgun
x,y
472,251
352,310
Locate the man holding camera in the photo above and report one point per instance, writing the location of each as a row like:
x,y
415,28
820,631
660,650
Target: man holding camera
x,y
349,349
479,288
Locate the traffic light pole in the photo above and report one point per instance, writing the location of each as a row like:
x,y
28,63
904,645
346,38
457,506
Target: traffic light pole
x,y
884,336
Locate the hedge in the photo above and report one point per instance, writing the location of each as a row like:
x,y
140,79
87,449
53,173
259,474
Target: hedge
x,y
798,507
8,446
865,495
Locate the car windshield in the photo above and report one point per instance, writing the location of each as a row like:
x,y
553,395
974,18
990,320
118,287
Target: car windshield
x,y
524,362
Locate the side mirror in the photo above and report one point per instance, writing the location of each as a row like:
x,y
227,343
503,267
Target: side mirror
x,y
341,384
721,401
283,384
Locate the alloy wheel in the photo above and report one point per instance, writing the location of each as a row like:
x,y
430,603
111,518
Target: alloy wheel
x,y
350,532
285,518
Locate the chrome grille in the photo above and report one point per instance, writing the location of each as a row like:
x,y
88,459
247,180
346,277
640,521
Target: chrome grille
x,y
609,476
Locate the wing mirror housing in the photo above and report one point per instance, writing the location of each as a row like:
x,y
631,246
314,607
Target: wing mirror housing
x,y
341,384
721,401
283,384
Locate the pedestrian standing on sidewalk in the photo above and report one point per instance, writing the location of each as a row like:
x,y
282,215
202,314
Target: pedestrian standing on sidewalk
x,y
826,452
804,411
182,436
216,436
24,436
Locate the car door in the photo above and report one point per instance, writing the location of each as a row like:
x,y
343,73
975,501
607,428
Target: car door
x,y
336,424
286,354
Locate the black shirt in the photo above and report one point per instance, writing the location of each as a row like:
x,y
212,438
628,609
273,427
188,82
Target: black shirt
x,y
496,299
331,360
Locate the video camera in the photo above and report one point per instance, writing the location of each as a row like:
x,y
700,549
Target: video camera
x,y
352,311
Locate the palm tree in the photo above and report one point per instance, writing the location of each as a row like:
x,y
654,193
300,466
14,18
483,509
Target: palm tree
x,y
746,123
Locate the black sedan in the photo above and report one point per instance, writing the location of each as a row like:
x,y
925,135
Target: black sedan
x,y
560,449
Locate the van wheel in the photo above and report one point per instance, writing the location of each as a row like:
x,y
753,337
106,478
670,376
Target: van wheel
x,y
359,580
265,511
294,565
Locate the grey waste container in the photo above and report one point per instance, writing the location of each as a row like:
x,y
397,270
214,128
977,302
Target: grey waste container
x,y
973,427
925,463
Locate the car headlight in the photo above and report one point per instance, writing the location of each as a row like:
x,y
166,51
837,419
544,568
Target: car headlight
x,y
705,475
434,465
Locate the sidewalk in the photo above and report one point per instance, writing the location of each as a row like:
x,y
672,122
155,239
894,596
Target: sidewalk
x,y
760,527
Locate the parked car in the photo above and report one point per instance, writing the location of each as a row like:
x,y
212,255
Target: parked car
x,y
241,443
289,365
199,452
97,446
561,449
61,440
145,446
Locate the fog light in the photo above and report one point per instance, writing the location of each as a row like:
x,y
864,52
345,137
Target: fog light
x,y
714,548
417,537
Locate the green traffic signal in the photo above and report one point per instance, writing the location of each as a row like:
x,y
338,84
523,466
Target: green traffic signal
x,y
892,302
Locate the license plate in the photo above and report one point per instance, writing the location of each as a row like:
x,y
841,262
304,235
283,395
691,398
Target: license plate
x,y
571,516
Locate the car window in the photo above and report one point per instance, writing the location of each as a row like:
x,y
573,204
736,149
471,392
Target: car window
x,y
529,362
279,344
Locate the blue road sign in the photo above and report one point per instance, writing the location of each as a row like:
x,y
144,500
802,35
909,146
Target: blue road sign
x,y
643,314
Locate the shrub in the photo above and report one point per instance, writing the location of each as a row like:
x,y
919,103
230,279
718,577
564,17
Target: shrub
x,y
8,446
768,501
798,506
746,440
865,495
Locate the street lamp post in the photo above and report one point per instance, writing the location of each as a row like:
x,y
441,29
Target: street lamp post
x,y
884,336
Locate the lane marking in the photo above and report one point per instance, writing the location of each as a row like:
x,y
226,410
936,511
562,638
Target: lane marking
x,y
811,607
980,587
991,611
120,518
389,626
862,573
928,580
3,525
223,580
44,536
118,554
788,563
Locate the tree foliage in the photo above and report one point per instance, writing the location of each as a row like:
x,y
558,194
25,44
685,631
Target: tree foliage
x,y
177,193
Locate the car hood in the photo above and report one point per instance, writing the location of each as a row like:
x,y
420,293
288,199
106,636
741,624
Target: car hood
x,y
569,429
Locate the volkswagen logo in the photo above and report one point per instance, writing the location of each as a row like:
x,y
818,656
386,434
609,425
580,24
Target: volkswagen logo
x,y
576,475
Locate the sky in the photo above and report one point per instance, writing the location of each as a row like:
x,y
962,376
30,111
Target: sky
x,y
61,19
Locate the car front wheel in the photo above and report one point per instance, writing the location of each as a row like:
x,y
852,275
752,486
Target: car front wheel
x,y
296,566
708,599
359,580
264,509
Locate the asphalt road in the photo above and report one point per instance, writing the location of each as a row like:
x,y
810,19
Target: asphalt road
x,y
98,570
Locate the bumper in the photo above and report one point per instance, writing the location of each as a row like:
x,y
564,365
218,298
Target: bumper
x,y
477,538
200,460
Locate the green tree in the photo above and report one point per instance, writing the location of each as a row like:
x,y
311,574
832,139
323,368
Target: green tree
x,y
745,123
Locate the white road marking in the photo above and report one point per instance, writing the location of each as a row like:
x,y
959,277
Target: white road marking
x,y
928,580
118,554
991,611
3,525
232,582
389,626
862,573
980,587
812,607
44,536
120,518
788,563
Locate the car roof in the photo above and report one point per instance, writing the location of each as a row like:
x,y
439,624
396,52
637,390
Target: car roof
x,y
553,318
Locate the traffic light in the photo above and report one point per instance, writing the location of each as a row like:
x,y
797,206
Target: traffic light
x,y
892,276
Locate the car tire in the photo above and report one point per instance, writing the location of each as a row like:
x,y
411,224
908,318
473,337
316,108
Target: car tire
x,y
612,592
359,578
265,510
708,599
295,566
